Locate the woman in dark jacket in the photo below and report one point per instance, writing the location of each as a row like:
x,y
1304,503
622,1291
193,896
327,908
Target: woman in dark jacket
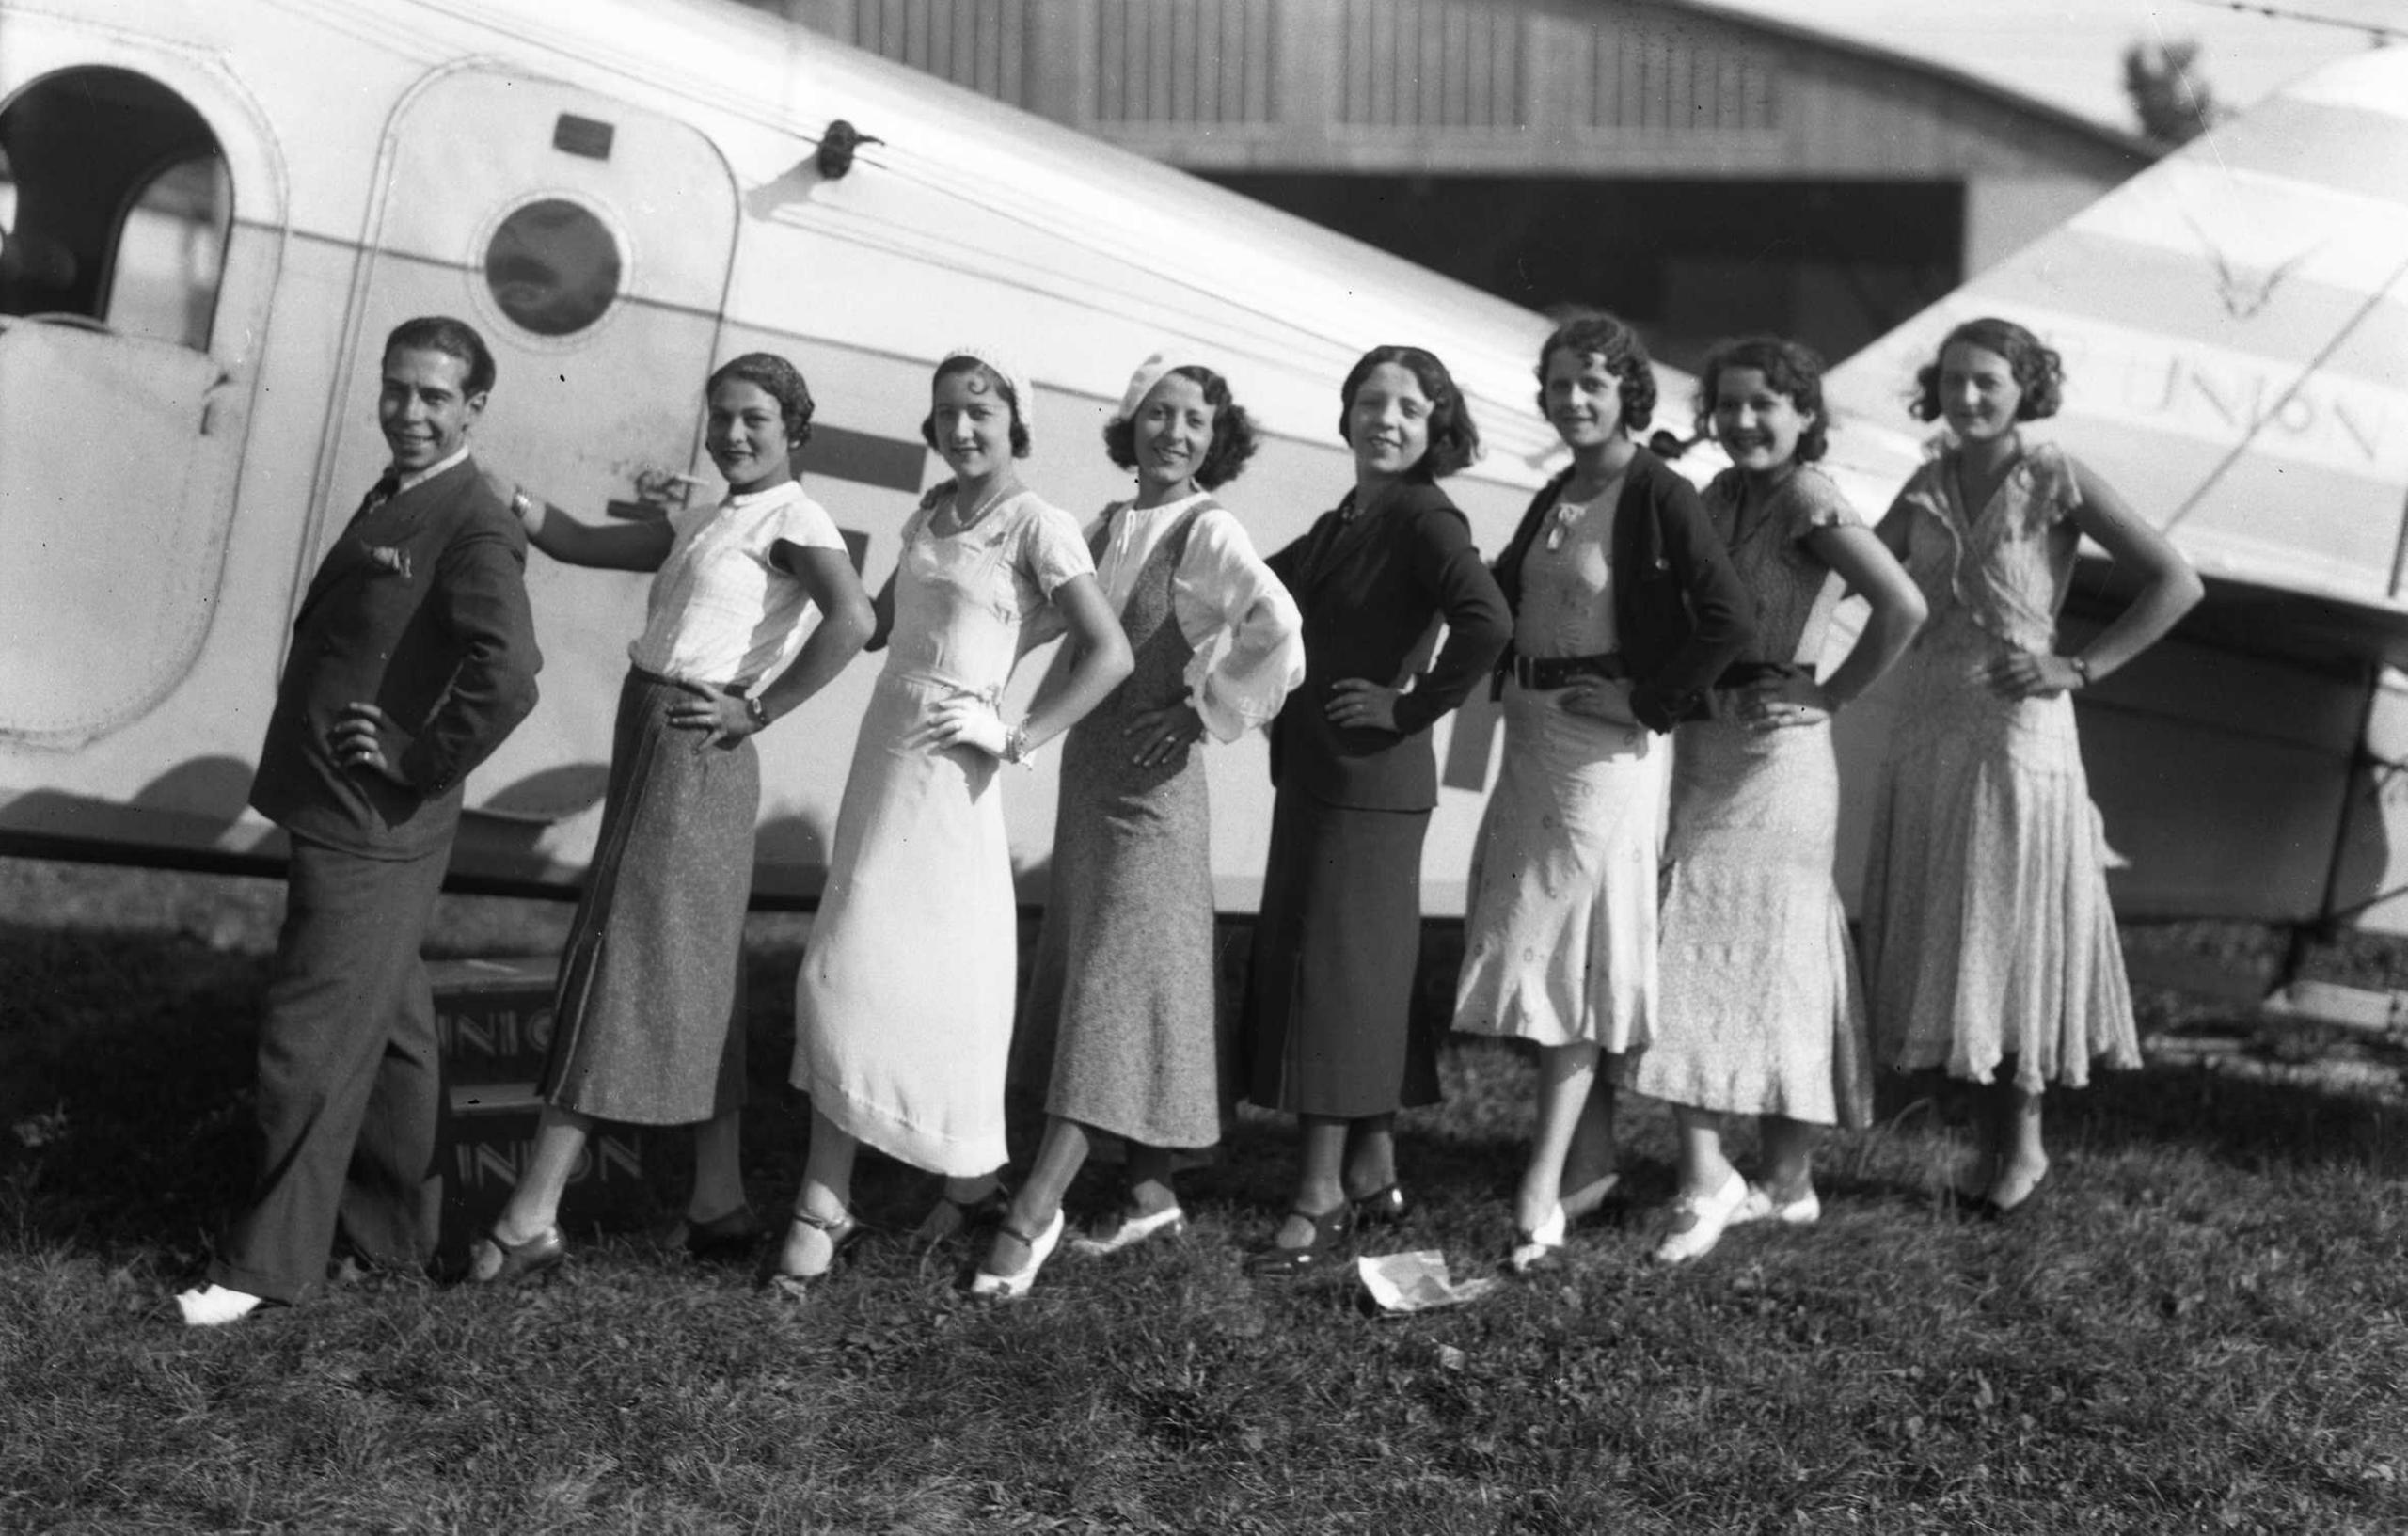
x,y
1626,610
1327,1032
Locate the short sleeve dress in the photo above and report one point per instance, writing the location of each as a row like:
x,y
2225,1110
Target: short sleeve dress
x,y
1988,933
1760,1010
903,1010
647,1025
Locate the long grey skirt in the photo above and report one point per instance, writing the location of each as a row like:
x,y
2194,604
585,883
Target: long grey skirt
x,y
647,1023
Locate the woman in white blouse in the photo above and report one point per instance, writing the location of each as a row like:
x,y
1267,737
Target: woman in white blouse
x,y
649,1024
1119,1027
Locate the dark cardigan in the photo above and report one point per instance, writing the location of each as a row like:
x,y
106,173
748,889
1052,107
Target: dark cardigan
x,y
1681,609
1369,590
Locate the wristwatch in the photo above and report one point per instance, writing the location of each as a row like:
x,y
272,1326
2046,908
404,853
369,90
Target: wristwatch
x,y
2081,669
757,712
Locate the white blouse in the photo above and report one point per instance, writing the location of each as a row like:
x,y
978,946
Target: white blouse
x,y
1247,634
720,613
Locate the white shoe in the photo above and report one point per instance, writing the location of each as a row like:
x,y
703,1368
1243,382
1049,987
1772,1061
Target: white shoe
x,y
1698,1221
214,1307
1760,1206
1168,1222
1040,1248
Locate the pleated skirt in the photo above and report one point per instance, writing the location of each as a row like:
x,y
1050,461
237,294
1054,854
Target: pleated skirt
x,y
1559,926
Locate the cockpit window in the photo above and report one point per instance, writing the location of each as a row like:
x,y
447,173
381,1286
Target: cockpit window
x,y
115,206
553,266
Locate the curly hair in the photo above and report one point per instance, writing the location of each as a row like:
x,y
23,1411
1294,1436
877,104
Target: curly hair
x,y
1593,333
781,381
1002,387
1790,368
1234,438
1454,440
2039,372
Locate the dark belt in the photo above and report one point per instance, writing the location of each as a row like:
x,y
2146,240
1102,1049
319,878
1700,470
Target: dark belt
x,y
1747,674
1547,672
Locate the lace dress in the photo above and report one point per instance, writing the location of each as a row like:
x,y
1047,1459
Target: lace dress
x,y
1760,1011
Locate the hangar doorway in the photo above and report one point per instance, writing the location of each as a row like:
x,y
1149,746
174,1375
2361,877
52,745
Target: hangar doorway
x,y
1833,264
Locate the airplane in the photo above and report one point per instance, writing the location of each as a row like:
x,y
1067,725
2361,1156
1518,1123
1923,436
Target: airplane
x,y
214,210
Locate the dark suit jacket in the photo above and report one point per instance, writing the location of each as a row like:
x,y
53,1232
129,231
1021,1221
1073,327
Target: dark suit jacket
x,y
419,607
1371,590
1681,609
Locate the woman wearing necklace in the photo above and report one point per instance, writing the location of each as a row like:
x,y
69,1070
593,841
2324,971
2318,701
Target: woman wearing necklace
x,y
1120,1029
903,1010
1988,942
1626,608
1327,1034
1761,1012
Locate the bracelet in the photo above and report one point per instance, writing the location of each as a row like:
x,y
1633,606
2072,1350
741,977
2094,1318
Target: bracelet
x,y
757,712
530,511
2081,669
1015,744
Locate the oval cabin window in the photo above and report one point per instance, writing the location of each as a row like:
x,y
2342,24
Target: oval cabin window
x,y
553,267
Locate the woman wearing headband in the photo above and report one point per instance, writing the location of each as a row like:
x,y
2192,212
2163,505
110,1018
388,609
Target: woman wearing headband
x,y
903,1010
1119,1031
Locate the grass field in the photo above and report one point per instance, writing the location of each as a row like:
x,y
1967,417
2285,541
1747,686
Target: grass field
x,y
2204,1327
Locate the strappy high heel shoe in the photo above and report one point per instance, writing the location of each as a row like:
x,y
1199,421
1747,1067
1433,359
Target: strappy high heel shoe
x,y
493,1262
839,1232
1004,1288
725,1239
1330,1229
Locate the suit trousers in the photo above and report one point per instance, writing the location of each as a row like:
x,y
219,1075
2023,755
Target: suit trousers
x,y
350,1077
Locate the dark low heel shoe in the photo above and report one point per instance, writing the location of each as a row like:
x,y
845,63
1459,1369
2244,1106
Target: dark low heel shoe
x,y
1329,1235
493,1262
722,1240
1382,1208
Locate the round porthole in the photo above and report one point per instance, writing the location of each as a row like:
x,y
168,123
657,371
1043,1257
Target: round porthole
x,y
553,267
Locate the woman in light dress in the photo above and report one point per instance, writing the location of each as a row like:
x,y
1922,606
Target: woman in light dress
x,y
1626,608
1120,1028
649,1026
1761,1012
1988,940
903,1010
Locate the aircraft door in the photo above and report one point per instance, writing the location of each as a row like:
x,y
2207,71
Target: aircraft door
x,y
132,298
589,242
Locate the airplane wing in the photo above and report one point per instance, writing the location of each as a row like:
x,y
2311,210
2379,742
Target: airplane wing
x,y
2234,323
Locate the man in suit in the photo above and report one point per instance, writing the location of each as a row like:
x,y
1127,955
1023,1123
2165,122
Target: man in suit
x,y
413,657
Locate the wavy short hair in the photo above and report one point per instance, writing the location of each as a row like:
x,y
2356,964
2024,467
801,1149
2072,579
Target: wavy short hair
x,y
2039,372
1593,333
1790,368
1003,387
452,338
1234,438
1454,439
781,381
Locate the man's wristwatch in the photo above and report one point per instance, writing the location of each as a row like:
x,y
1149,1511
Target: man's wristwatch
x,y
757,712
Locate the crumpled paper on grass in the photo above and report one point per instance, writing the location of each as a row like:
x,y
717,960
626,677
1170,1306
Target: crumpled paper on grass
x,y
1416,1282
